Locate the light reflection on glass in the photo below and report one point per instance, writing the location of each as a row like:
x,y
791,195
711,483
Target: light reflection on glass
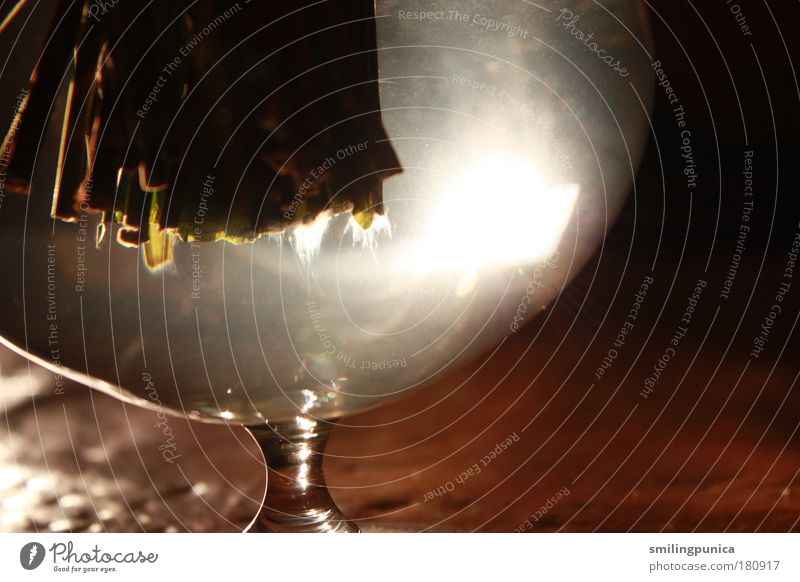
x,y
500,211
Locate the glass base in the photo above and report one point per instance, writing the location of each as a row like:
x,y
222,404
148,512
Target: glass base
x,y
297,499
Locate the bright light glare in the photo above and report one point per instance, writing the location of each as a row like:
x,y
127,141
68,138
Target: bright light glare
x,y
368,238
307,238
498,211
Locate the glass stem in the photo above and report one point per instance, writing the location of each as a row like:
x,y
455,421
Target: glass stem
x,y
297,498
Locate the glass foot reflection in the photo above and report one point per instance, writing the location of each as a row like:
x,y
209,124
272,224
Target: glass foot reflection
x,y
297,499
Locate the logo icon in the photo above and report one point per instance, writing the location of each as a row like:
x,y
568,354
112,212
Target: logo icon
x,y
31,555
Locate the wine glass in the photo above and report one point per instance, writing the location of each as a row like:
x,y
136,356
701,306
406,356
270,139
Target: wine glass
x,y
519,127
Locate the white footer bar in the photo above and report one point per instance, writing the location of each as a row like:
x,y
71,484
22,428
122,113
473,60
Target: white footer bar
x,y
460,557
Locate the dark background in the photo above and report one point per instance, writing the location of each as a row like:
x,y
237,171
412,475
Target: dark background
x,y
715,447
